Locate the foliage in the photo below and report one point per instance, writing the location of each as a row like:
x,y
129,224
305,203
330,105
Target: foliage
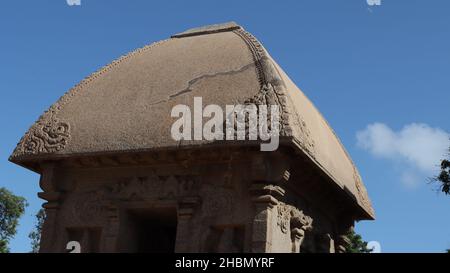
x,y
35,234
11,209
356,244
444,176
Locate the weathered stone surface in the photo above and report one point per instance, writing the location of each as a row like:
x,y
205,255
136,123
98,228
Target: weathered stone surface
x,y
107,158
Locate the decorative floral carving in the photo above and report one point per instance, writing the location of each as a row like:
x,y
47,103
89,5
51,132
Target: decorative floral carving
x,y
283,217
48,135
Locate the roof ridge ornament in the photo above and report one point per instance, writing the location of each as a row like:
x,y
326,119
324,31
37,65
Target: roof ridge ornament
x,y
208,29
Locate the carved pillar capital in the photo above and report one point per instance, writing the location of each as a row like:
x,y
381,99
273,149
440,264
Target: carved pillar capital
x,y
344,228
265,198
266,193
342,243
48,185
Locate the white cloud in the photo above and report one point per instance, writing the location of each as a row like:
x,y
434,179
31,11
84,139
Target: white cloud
x,y
417,145
411,179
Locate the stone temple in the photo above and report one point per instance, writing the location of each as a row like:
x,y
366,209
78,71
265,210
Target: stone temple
x,y
116,181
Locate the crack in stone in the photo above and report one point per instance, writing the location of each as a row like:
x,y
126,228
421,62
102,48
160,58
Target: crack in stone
x,y
205,76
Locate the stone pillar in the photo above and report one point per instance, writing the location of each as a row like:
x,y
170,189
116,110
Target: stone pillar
x,y
186,209
325,243
298,235
264,200
112,230
342,243
49,234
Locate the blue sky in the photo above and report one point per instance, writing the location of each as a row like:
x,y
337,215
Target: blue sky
x,y
379,75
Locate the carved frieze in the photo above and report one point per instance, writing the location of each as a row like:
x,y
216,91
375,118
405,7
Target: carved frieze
x,y
152,187
90,206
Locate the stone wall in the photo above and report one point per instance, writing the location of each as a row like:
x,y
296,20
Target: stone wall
x,y
242,203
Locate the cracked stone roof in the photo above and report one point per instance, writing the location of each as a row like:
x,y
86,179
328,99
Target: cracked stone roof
x,y
126,105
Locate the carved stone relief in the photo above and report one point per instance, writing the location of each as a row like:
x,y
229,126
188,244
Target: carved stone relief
x,y
273,92
86,207
362,192
292,219
48,135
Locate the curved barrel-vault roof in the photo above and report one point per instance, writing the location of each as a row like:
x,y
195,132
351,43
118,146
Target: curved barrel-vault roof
x,y
126,105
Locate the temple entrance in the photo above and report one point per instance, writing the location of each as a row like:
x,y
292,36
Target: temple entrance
x,y
150,230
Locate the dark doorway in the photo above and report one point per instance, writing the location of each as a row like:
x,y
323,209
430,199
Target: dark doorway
x,y
152,230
